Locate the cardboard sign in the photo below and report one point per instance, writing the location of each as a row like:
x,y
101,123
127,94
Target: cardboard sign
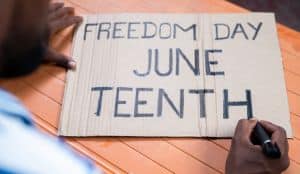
x,y
173,75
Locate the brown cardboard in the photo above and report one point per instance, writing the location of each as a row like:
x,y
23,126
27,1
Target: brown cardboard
x,y
248,59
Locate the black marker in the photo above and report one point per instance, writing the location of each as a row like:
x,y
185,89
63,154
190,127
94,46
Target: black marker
x,y
262,138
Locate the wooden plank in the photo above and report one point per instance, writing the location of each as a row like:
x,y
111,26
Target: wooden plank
x,y
172,6
294,101
39,104
292,82
291,63
294,150
123,156
296,125
46,84
166,155
119,154
293,168
105,165
203,150
90,5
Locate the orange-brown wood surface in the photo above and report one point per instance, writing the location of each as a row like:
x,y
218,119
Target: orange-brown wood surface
x,y
42,94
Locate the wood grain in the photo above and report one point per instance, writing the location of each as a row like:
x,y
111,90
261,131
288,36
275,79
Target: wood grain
x,y
42,94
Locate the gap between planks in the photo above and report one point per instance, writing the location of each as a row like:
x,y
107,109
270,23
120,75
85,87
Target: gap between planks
x,y
136,150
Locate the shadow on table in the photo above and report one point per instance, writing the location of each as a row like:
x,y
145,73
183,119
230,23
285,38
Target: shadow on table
x,y
287,11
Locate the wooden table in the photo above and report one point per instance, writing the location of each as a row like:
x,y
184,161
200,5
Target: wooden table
x,y
42,93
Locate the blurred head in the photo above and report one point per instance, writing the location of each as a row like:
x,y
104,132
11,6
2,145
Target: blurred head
x,y
23,36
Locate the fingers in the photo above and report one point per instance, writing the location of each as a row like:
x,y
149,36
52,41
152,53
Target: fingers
x,y
244,129
55,6
270,127
60,59
61,12
64,22
278,135
61,17
280,139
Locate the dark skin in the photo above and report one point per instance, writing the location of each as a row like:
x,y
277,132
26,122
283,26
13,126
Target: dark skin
x,y
29,21
247,158
59,18
21,22
28,25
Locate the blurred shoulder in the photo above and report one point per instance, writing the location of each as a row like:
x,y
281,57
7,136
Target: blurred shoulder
x,y
10,106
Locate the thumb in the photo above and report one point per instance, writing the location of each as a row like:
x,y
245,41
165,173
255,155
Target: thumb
x,y
244,129
54,57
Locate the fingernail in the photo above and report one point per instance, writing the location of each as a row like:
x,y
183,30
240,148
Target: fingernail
x,y
72,64
79,19
61,3
253,118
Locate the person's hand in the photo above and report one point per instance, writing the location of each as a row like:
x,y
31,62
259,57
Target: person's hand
x,y
59,18
245,157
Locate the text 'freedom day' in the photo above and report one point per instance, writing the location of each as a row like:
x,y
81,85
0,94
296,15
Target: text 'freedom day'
x,y
166,30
